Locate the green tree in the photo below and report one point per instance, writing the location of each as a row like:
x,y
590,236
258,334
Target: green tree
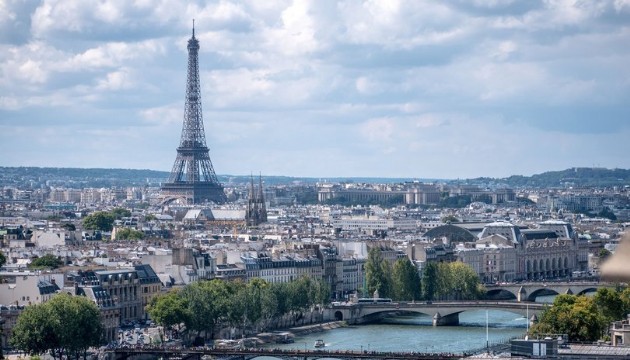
x,y
608,214
299,297
450,219
129,234
99,220
444,281
34,332
319,292
48,261
208,301
3,259
119,213
610,304
405,280
465,282
429,280
625,299
376,277
69,227
169,310
66,325
603,254
252,298
576,316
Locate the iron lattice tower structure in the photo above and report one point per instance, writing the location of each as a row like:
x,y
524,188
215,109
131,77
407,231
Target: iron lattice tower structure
x,y
193,177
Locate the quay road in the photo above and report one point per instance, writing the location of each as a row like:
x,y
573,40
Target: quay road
x,y
195,353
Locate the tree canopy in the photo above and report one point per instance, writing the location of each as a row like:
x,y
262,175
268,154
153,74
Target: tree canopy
x,y
377,273
48,261
406,281
584,318
129,234
576,316
201,307
99,220
3,259
66,325
454,280
119,213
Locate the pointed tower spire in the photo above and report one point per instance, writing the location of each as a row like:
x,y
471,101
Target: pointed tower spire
x,y
262,207
193,178
256,209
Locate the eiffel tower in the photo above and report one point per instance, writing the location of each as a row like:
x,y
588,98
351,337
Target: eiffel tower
x,y
193,180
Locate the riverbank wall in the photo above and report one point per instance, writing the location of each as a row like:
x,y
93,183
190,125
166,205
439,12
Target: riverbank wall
x,y
295,323
288,335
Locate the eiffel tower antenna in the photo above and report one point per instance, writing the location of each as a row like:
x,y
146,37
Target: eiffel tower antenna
x,y
192,179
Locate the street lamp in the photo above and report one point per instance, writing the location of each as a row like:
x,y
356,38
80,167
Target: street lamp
x,y
2,321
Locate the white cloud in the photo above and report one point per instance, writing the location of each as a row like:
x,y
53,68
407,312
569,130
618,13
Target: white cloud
x,y
113,54
164,115
378,130
116,80
364,85
6,14
453,88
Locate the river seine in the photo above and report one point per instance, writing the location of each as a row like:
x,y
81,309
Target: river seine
x,y
416,334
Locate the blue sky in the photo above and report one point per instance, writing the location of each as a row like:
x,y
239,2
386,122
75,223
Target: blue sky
x,y
418,89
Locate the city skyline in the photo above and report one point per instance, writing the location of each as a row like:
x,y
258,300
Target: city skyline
x,y
411,89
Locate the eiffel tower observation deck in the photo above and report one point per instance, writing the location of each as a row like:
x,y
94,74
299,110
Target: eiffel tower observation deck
x,y
193,180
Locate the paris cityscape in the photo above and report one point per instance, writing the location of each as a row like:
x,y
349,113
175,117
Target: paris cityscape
x,y
394,229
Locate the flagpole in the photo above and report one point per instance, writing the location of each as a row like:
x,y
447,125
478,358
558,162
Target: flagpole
x,y
527,319
487,341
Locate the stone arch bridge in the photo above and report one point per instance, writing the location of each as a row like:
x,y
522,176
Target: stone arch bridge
x,y
529,291
444,313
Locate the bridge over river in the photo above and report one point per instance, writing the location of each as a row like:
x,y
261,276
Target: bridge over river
x,y
146,353
529,291
443,312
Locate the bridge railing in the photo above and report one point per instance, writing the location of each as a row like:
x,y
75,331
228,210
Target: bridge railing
x,y
283,352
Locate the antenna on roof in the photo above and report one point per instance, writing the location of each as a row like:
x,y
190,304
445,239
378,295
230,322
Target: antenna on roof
x,y
193,28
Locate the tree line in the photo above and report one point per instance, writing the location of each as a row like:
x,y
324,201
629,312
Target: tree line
x,y
202,307
584,318
403,282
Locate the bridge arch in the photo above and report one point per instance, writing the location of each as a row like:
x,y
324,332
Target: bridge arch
x,y
501,294
338,315
587,290
540,292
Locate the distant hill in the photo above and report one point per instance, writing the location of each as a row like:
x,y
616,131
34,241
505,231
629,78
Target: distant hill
x,y
79,178
576,177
